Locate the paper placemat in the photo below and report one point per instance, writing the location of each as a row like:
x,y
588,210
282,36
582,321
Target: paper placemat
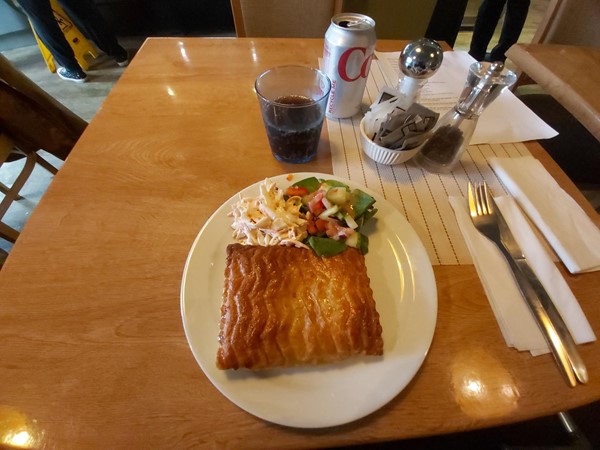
x,y
421,196
506,119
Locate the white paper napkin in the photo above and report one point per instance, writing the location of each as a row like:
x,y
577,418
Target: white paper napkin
x,y
568,229
512,313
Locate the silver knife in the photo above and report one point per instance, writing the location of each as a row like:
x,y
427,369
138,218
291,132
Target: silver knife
x,y
547,316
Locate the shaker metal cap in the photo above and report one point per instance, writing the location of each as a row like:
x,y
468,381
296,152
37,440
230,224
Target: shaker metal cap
x,y
421,58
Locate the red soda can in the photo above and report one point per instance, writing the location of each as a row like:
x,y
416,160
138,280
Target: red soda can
x,y
347,54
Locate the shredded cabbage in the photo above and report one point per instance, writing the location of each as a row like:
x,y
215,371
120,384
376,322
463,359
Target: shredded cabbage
x,y
269,219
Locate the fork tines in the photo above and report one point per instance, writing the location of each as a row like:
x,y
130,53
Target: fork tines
x,y
479,199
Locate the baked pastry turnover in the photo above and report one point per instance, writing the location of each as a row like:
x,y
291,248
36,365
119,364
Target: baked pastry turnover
x,y
286,306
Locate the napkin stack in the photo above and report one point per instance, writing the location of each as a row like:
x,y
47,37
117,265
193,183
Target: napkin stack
x,y
570,232
512,313
568,229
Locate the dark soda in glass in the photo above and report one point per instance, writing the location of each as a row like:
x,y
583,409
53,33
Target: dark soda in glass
x,y
293,124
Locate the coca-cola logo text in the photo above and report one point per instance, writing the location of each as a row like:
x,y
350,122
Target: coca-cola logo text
x,y
343,64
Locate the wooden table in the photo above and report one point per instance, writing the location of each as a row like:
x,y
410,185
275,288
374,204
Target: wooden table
x,y
92,349
568,73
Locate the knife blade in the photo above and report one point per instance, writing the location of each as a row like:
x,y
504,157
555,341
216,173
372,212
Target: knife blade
x,y
541,305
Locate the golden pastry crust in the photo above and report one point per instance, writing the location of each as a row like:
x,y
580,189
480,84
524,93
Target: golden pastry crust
x,y
286,306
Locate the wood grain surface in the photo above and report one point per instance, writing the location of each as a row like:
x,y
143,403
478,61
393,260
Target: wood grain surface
x,y
92,349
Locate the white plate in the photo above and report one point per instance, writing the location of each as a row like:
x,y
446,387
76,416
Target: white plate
x,y
405,292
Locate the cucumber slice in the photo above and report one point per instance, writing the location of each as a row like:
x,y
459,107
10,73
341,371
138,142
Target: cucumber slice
x,y
358,241
326,246
338,195
352,240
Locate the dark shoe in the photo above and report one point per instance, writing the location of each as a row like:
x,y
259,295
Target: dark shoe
x,y
77,76
122,59
495,57
478,56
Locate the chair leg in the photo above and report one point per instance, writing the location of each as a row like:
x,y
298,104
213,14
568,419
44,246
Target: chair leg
x,y
45,164
8,233
4,189
3,256
13,192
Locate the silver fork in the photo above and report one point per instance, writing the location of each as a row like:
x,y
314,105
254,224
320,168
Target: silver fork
x,y
488,219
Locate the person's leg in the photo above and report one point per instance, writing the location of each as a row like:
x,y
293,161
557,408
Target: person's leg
x,y
488,16
514,19
45,25
445,21
89,21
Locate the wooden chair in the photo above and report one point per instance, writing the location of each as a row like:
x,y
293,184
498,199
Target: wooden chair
x,y
283,18
30,120
575,149
395,19
33,119
567,22
398,19
11,193
570,22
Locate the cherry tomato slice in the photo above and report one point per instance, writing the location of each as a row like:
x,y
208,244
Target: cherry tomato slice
x,y
322,225
316,208
311,227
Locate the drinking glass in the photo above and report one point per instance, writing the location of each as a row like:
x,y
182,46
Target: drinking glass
x,y
292,101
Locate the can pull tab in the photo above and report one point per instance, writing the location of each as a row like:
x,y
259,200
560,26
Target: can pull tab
x,y
353,23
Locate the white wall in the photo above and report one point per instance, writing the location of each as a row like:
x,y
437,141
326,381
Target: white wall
x,y
14,28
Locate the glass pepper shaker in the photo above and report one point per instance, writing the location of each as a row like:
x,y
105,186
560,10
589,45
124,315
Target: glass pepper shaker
x,y
451,135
